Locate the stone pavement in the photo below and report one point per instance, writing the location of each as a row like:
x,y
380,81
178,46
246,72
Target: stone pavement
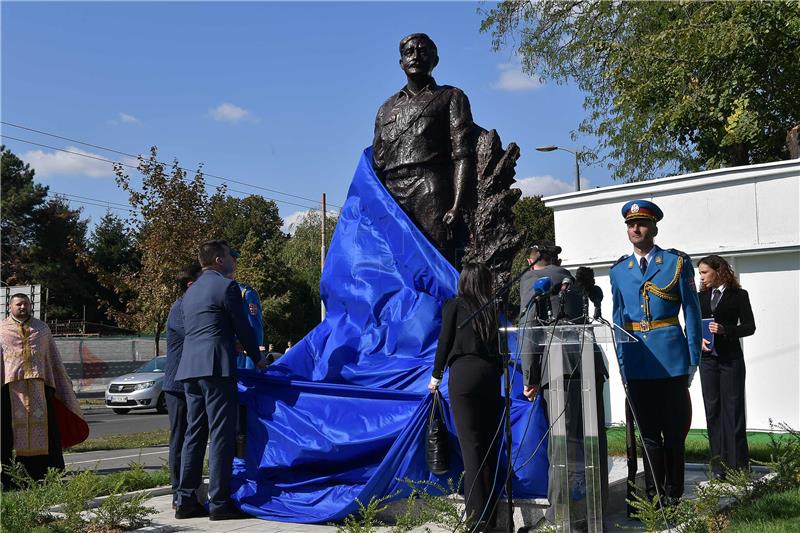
x,y
526,513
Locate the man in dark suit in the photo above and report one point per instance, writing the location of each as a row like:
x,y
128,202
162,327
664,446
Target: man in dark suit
x,y
173,390
213,319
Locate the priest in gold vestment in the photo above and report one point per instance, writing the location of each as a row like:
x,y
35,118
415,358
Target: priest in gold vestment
x,y
40,412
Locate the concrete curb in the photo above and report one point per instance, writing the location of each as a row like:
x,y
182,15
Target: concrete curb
x,y
96,502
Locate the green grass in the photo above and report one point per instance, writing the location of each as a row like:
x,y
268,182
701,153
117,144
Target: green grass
x,y
697,448
772,513
91,402
124,441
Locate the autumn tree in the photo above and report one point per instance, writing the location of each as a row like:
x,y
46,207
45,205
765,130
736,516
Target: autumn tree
x,y
171,219
670,86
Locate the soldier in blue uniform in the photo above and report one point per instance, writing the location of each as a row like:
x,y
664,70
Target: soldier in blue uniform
x,y
252,306
649,288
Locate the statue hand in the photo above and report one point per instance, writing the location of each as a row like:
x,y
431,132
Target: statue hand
x,y
450,217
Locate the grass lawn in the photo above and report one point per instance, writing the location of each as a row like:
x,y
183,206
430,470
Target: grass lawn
x,y
124,441
773,513
697,449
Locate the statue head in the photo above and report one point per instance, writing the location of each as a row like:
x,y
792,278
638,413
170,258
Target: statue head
x,y
418,55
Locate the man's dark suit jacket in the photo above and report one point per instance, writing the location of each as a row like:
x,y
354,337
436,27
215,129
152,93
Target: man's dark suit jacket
x,y
735,315
213,318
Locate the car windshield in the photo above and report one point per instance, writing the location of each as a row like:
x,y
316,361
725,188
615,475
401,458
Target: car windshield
x,y
156,364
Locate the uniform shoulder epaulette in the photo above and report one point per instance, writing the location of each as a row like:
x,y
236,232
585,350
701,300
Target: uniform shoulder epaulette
x,y
673,251
620,260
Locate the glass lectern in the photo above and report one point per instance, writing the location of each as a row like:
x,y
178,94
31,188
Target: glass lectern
x,y
568,358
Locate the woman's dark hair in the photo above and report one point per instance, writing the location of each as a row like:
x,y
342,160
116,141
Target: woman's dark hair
x,y
188,275
475,288
723,270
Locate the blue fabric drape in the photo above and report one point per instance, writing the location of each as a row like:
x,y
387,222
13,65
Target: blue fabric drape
x,y
342,415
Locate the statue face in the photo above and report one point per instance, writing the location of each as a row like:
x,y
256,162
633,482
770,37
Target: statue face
x,y
418,58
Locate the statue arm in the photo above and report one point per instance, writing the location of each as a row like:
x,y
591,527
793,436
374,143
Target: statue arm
x,y
461,127
377,144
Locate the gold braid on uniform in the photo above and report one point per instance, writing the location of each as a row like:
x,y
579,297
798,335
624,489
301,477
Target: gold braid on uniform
x,y
662,292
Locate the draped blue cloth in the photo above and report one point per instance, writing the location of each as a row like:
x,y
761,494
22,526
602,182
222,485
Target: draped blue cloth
x,y
342,415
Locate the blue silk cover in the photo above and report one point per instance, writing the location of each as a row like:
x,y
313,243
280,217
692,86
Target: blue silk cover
x,y
343,414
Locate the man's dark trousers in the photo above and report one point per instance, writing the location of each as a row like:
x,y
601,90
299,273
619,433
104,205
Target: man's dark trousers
x,y
661,407
176,408
211,404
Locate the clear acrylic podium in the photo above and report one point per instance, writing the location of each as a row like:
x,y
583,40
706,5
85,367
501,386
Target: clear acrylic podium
x,y
568,355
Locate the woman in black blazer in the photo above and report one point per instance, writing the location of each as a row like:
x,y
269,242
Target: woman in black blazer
x,y
472,353
722,369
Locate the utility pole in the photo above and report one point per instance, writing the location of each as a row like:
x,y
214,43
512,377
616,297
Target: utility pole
x,y
322,251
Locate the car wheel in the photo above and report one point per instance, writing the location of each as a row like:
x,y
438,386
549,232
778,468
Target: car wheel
x,y
161,404
120,411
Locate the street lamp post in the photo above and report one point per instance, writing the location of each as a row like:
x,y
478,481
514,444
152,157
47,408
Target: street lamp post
x,y
550,148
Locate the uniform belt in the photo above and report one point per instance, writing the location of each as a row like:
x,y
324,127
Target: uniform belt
x,y
646,325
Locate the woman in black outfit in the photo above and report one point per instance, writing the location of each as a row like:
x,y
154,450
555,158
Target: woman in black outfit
x,y
475,368
722,368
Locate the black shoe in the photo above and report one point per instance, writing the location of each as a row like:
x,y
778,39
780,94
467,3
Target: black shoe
x,y
191,510
228,512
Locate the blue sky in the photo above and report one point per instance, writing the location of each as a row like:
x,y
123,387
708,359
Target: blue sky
x,y
280,95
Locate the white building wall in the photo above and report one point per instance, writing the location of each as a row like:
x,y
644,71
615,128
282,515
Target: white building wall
x,y
750,216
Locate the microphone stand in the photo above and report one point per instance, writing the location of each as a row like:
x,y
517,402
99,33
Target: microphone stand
x,y
501,296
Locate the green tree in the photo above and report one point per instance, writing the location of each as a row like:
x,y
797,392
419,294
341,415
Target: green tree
x,y
171,219
112,252
233,219
669,86
53,259
535,221
301,254
20,200
302,251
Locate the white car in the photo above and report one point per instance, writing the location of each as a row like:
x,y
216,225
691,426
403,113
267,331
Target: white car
x,y
140,389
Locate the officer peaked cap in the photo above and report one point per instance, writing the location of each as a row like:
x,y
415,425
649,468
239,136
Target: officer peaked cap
x,y
641,209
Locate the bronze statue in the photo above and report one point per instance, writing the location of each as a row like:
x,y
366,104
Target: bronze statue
x,y
449,175
423,147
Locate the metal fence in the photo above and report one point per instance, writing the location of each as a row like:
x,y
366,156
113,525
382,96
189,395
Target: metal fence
x,y
92,362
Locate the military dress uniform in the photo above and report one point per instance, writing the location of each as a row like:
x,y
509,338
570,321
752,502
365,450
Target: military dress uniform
x,y
658,367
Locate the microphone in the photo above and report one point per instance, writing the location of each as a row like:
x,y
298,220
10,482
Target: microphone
x,y
566,284
542,287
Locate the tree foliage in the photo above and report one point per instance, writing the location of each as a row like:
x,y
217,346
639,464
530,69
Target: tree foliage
x,y
171,219
112,252
21,199
688,85
535,221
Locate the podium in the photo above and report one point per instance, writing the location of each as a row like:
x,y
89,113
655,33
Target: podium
x,y
568,356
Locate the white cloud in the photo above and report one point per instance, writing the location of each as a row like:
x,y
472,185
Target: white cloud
x,y
513,79
227,112
51,164
290,221
546,186
125,118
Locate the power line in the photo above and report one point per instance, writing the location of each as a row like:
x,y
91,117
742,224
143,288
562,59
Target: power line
x,y
135,167
222,178
84,202
123,206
